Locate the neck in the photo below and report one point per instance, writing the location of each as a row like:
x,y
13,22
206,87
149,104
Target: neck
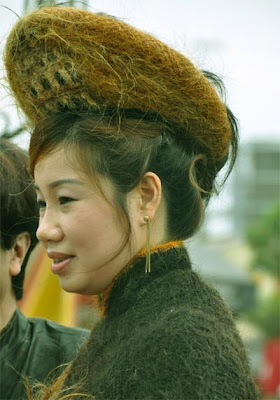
x,y
7,309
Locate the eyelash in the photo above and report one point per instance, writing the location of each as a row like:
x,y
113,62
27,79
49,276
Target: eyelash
x,y
62,201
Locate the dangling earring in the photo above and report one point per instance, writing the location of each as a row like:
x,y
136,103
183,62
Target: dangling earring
x,y
148,245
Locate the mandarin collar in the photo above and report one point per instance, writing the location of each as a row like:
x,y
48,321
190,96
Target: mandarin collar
x,y
132,278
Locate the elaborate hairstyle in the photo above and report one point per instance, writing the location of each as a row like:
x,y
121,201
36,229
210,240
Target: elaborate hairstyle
x,y
18,204
61,59
96,82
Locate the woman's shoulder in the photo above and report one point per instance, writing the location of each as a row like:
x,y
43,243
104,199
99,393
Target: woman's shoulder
x,y
179,310
186,334
184,292
174,345
176,340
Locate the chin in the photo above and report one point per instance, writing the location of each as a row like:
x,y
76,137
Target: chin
x,y
70,287
73,288
74,285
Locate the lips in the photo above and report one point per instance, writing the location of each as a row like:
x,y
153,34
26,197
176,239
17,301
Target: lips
x,y
60,261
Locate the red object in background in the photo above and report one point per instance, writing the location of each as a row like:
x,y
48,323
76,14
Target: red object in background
x,y
269,378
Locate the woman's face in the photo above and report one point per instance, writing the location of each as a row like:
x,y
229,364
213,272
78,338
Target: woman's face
x,y
79,228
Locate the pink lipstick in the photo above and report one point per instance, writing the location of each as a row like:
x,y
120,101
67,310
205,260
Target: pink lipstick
x,y
60,261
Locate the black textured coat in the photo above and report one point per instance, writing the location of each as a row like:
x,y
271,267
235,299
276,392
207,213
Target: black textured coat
x,y
166,335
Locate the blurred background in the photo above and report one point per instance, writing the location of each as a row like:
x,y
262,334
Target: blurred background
x,y
238,247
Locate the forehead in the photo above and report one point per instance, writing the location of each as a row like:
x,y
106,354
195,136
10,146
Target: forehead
x,y
63,164
60,163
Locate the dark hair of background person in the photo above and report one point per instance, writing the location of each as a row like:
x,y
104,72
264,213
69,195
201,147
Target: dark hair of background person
x,y
18,205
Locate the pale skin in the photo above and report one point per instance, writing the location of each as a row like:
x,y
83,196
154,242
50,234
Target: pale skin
x,y
11,261
82,232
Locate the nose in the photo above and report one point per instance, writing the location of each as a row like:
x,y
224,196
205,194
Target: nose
x,y
49,229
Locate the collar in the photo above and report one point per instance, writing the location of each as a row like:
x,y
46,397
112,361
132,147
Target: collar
x,y
137,264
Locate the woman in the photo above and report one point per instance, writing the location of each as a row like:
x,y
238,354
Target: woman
x,y
128,139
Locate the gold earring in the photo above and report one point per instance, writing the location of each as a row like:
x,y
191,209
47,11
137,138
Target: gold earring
x,y
148,245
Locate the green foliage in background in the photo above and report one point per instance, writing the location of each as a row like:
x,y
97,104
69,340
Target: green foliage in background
x,y
266,315
264,238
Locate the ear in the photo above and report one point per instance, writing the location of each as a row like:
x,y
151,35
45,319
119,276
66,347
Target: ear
x,y
18,253
150,194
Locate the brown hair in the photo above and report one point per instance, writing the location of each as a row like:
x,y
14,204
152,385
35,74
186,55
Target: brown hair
x,y
18,204
123,146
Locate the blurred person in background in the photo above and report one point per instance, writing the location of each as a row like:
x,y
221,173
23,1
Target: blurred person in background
x,y
30,347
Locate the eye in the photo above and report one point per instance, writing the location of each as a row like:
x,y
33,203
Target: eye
x,y
65,200
41,204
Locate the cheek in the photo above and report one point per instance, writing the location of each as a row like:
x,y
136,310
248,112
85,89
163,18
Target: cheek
x,y
96,225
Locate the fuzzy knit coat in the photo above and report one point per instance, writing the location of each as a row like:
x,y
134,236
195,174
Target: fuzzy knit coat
x,y
165,335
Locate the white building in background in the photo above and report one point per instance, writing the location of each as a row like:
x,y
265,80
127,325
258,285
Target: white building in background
x,y
256,187
250,191
219,252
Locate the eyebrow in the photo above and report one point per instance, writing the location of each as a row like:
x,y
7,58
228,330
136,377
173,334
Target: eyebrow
x,y
62,182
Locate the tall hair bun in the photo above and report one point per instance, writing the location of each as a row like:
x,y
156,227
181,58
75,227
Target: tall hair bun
x,y
60,58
